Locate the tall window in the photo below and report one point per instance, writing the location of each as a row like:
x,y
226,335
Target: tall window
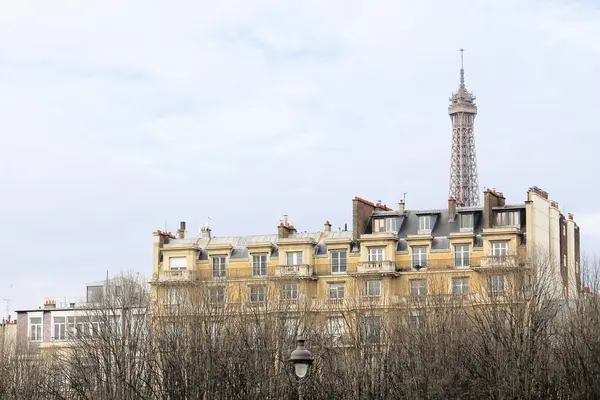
x,y
336,327
177,263
59,328
291,325
173,295
218,266
500,249
385,224
258,293
336,290
376,253
419,257
507,218
418,288
293,258
497,284
424,224
289,291
373,328
259,265
216,294
460,286
466,222
461,256
373,288
35,328
416,321
338,261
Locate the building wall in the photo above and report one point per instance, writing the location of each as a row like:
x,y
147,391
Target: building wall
x,y
542,231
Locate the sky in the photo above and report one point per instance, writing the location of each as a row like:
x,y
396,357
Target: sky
x,y
121,118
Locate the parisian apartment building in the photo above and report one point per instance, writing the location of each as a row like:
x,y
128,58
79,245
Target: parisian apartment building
x,y
386,258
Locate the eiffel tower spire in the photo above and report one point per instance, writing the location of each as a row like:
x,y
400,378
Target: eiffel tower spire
x,y
464,184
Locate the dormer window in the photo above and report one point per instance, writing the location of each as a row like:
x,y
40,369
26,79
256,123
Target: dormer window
x,y
177,263
385,225
424,224
466,222
507,218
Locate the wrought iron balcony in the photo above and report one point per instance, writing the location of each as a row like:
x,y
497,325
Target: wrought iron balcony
x,y
369,267
301,270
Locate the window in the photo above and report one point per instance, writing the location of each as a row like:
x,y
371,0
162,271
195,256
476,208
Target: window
x,y
466,222
218,266
289,291
424,224
376,254
177,263
497,284
419,257
338,261
95,294
373,288
460,286
507,218
293,258
259,265
95,326
216,294
290,326
373,328
461,256
172,295
416,321
35,328
336,290
59,328
418,288
258,293
385,224
336,328
499,249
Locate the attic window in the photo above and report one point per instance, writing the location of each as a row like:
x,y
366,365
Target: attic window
x,y
466,222
385,225
424,224
507,218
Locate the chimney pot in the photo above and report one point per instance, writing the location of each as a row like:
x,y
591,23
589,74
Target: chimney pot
x,y
451,208
401,206
327,226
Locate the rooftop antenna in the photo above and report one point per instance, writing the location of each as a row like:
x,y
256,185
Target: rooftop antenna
x,y
404,197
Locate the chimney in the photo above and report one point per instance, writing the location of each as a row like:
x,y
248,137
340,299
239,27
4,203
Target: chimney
x,y
285,229
72,305
327,226
401,206
181,230
491,199
205,231
570,217
345,227
451,208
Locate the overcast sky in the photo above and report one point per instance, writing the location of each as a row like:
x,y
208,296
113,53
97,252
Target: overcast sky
x,y
120,117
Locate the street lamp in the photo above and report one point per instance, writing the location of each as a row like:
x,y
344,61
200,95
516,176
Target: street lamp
x,y
302,359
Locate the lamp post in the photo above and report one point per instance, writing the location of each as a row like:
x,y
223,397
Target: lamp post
x,y
302,359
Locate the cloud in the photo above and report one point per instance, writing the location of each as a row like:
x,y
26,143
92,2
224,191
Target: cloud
x,y
118,116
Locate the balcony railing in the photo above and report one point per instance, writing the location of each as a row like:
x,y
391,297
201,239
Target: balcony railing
x,y
367,267
302,270
174,275
500,261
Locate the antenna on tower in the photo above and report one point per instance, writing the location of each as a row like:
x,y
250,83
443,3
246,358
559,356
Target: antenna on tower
x,y
462,68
